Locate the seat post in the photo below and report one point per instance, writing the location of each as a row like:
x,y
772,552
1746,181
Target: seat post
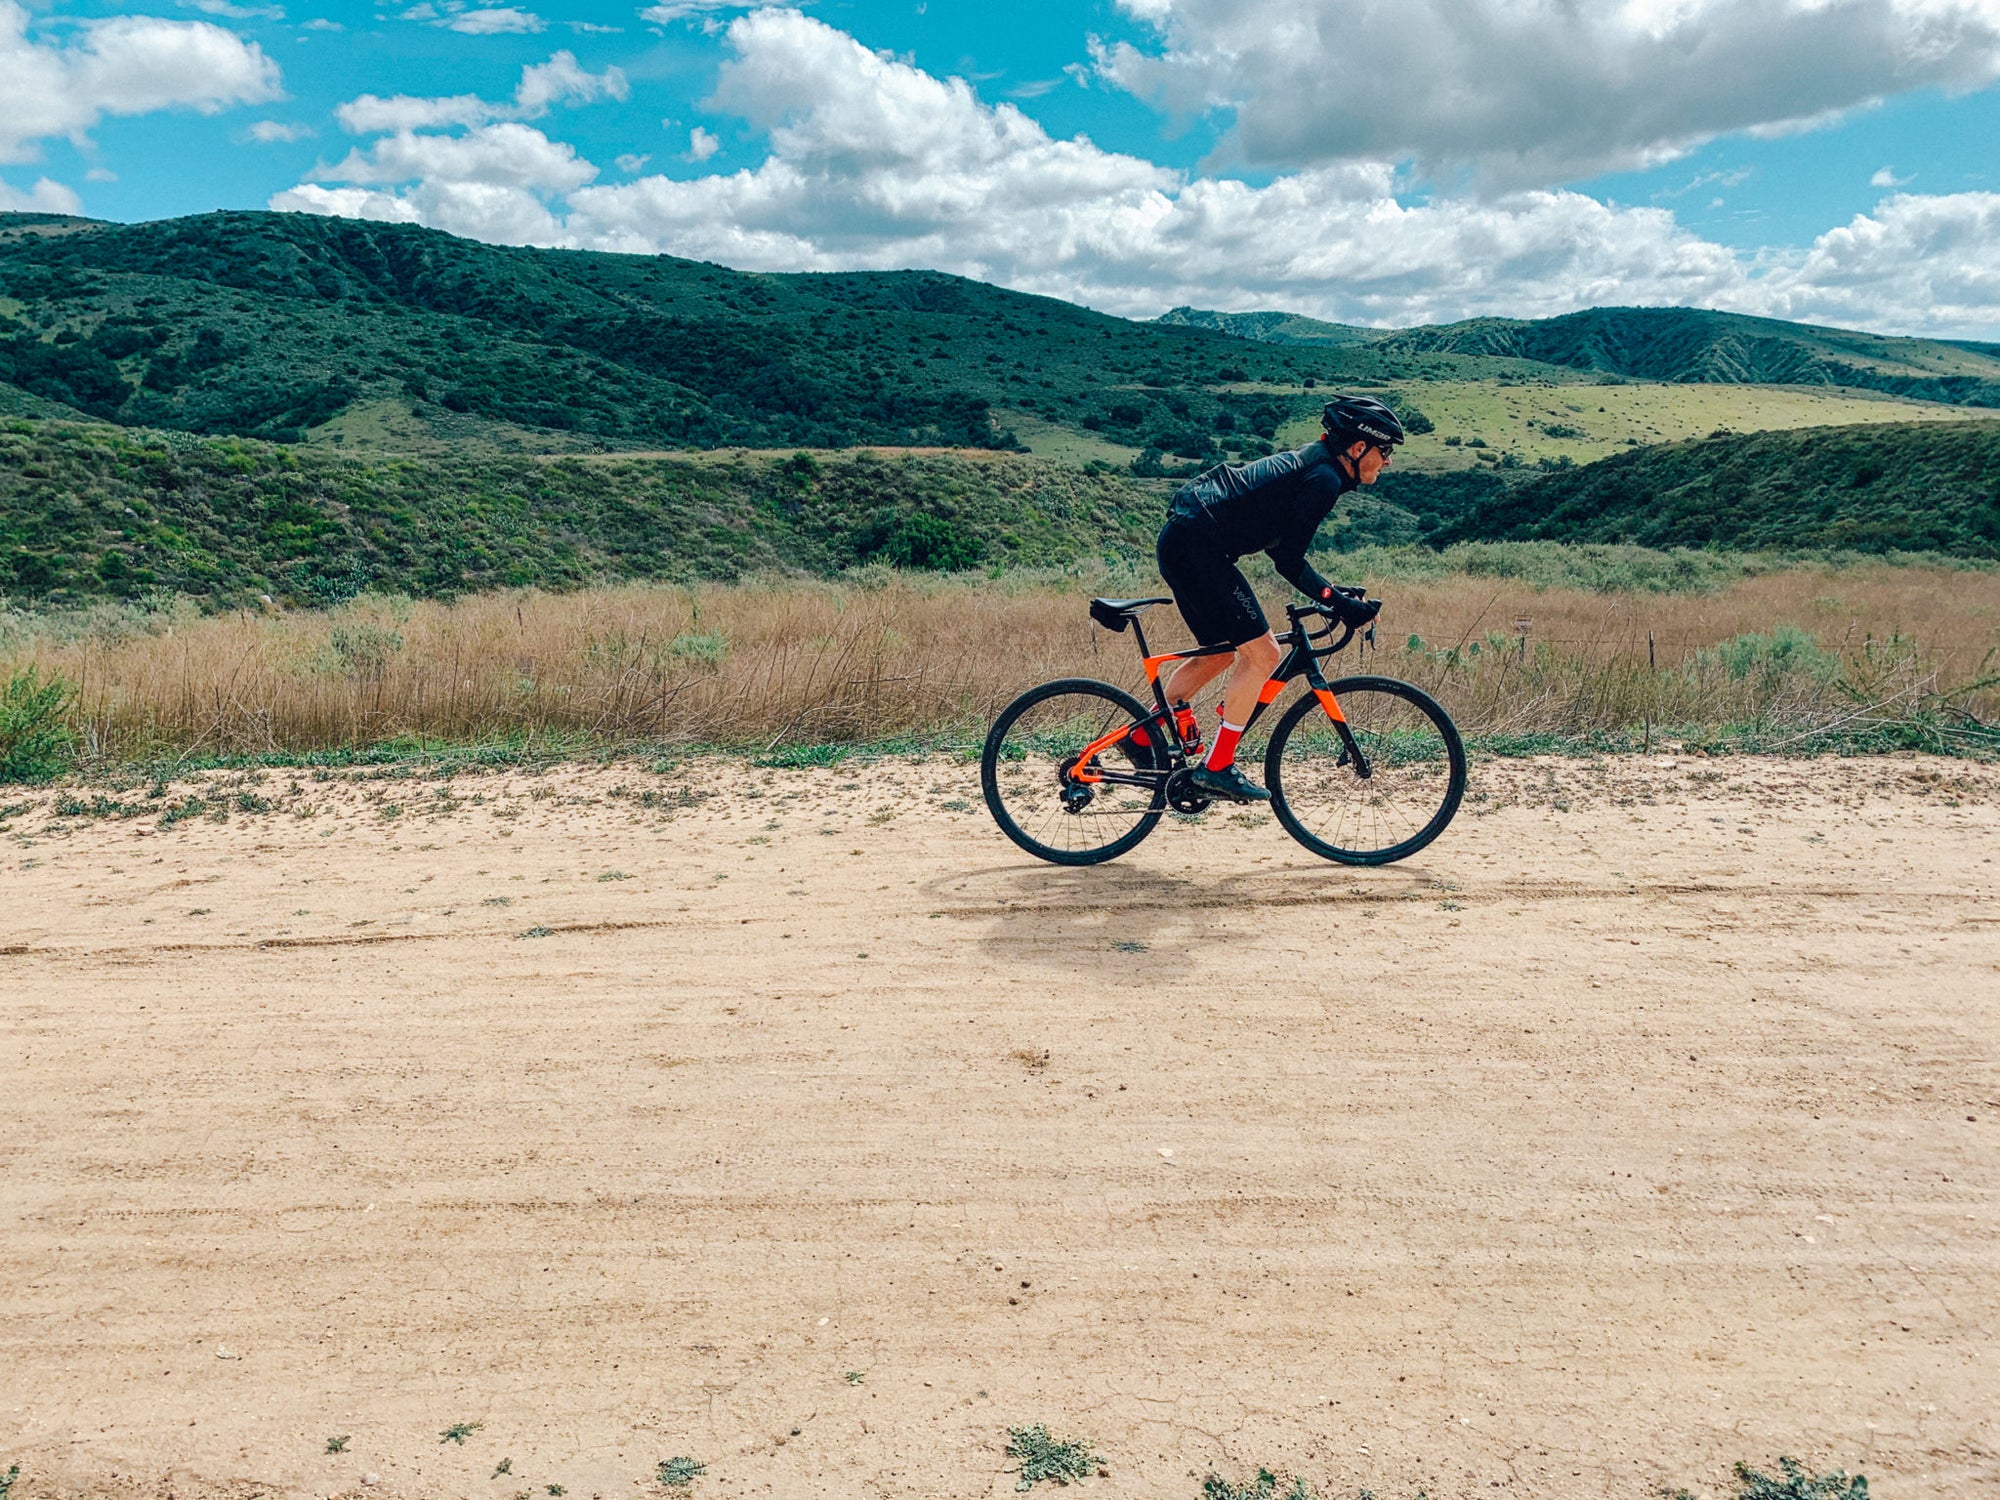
x,y
1140,631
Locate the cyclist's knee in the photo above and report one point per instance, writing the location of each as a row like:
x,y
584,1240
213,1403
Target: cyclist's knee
x,y
1261,653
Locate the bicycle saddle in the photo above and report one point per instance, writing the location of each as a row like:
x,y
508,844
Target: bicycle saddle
x,y
1116,614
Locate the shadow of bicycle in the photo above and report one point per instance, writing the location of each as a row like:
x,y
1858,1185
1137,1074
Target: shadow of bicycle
x,y
1102,918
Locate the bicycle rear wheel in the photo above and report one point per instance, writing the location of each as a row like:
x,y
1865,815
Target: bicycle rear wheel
x,y
1045,799
1415,772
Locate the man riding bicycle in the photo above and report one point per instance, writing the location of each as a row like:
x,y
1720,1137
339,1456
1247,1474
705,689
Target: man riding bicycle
x,y
1274,506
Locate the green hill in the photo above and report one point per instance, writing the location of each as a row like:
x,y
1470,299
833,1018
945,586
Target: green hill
x,y
93,510
279,325
1671,344
1894,487
1273,327
1695,345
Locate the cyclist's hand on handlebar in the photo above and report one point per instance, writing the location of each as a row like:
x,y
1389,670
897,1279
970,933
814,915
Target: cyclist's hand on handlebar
x,y
1350,609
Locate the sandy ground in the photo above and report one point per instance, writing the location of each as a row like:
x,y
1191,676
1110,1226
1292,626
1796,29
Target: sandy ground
x,y
793,1122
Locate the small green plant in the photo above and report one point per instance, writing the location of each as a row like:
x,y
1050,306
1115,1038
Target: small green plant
x,y
505,1466
361,651
802,757
854,1377
679,1473
7,1480
539,932
1795,1482
613,875
180,812
555,1489
36,743
1043,1457
337,1444
458,1432
704,650
1263,1487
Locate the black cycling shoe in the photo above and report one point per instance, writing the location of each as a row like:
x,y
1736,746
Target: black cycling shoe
x,y
1229,783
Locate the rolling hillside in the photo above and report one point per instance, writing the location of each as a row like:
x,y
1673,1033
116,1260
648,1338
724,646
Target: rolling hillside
x,y
1273,327
90,510
1882,488
1668,344
276,326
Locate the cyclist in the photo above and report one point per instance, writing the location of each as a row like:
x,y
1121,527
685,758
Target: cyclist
x,y
1273,505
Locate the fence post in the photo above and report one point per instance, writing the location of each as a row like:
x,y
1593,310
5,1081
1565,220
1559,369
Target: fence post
x,y
1651,661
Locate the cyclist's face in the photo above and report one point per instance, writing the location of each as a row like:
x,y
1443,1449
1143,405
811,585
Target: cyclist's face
x,y
1368,461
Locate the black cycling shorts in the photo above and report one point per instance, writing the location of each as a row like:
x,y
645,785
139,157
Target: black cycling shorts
x,y
1213,595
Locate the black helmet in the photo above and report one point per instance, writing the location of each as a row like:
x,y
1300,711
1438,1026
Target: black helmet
x,y
1348,418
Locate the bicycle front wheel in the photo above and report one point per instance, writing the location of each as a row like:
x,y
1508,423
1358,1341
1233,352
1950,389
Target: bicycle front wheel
x,y
1400,796
1052,797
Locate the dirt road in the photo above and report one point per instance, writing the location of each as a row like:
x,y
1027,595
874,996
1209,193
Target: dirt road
x,y
792,1122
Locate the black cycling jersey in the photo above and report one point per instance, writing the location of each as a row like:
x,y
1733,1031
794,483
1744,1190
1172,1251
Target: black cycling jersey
x,y
1272,505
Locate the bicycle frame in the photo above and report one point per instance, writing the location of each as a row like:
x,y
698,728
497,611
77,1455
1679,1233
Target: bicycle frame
x,y
1301,661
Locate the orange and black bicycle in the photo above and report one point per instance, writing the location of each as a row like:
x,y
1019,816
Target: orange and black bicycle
x,y
1362,770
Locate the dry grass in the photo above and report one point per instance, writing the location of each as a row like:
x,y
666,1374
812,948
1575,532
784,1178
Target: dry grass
x,y
878,658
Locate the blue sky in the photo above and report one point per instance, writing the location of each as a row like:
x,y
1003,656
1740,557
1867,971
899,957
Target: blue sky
x,y
1832,160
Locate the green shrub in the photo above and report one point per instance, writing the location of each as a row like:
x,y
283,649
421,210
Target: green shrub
x,y
1062,1461
1794,1482
708,650
36,742
1786,652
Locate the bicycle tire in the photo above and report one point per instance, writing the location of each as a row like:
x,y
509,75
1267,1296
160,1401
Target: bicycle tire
x,y
1404,770
1050,819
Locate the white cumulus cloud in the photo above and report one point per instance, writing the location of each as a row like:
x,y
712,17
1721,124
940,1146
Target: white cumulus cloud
x,y
274,132
126,65
502,20
1533,92
560,80
47,196
875,164
669,11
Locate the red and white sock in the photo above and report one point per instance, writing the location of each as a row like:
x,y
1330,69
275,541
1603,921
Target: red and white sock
x,y
1223,756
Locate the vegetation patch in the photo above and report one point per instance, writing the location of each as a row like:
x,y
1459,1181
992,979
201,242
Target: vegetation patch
x,y
1040,1456
679,1473
1794,1481
36,742
1264,1487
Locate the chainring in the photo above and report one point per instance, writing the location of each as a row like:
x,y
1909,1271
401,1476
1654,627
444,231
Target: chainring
x,y
1183,797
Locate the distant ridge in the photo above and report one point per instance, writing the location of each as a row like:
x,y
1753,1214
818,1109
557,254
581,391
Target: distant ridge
x,y
1671,344
1274,327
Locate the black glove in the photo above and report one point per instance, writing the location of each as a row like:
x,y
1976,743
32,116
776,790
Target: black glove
x,y
1350,611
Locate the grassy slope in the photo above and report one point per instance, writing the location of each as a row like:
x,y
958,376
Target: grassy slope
x,y
272,325
91,510
1693,344
1871,489
1584,423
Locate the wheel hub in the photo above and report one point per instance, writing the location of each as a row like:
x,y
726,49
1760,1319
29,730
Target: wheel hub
x,y
1075,795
